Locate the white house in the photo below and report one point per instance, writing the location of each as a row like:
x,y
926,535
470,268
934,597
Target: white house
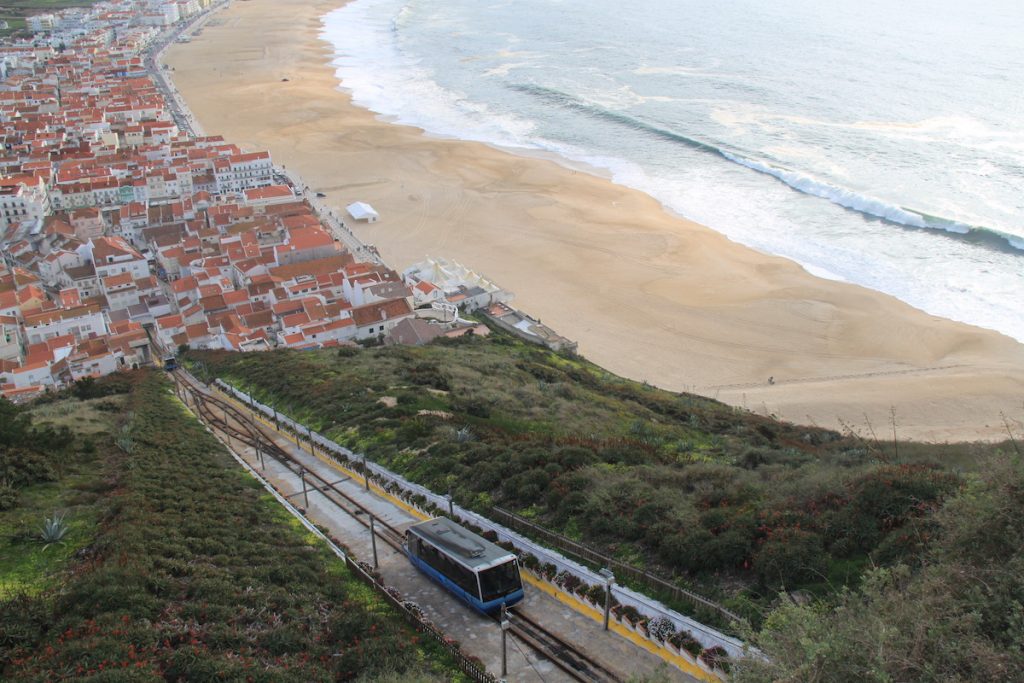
x,y
377,319
23,199
112,255
81,321
36,374
10,342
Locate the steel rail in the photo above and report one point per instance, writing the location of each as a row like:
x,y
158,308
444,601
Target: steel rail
x,y
569,658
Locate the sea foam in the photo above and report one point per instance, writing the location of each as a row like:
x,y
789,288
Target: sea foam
x,y
380,77
382,74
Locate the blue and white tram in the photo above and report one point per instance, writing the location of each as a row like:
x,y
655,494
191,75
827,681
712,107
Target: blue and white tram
x,y
480,573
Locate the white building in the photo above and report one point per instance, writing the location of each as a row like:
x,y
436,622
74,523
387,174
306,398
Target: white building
x,y
23,199
42,22
55,263
10,342
112,256
83,365
243,171
81,321
460,285
37,374
361,211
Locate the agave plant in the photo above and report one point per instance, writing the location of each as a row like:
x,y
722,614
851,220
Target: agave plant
x,y
125,441
53,530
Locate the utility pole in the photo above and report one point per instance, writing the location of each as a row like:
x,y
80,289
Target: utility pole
x,y
505,625
226,432
305,495
609,581
373,541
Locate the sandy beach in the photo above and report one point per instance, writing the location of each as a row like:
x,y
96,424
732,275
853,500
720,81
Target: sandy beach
x,y
648,295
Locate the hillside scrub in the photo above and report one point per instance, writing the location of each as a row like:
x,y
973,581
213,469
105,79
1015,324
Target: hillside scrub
x,y
48,472
195,573
741,505
959,617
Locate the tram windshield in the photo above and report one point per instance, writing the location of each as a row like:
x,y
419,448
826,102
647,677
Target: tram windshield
x,y
499,581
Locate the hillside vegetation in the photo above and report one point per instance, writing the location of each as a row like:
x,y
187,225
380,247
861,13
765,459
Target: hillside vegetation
x,y
178,565
736,504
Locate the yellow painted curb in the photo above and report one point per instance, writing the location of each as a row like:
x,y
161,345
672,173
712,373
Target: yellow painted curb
x,y
587,610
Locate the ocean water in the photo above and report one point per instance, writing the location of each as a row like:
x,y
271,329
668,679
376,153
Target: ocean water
x,y
874,142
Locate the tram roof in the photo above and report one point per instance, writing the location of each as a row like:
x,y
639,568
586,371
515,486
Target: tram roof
x,y
468,548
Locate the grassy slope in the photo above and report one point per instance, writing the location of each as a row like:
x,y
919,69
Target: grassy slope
x,y
738,503
26,565
195,572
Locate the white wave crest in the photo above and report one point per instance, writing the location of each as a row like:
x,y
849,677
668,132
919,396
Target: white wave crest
x,y
371,65
846,198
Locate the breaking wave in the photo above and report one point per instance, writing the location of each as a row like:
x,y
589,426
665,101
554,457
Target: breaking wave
x,y
801,182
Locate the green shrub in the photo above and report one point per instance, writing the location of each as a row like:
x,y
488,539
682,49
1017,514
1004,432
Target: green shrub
x,y
790,557
8,496
21,467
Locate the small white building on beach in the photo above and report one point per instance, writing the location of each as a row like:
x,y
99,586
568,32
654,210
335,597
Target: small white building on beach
x,y
361,211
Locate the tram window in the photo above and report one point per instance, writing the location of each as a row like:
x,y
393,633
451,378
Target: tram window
x,y
458,574
463,577
499,581
432,557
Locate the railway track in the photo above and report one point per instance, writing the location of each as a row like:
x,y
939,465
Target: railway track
x,y
235,423
566,656
226,417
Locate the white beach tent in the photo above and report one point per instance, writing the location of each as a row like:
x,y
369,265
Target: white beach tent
x,y
361,211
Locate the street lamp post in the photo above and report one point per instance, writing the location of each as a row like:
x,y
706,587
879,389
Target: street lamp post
x,y
609,581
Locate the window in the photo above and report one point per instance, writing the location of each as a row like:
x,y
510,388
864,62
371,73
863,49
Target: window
x,y
500,580
461,576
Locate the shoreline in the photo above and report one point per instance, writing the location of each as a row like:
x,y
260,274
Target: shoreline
x,y
647,294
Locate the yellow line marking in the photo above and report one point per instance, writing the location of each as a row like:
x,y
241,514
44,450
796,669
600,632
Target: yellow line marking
x,y
587,610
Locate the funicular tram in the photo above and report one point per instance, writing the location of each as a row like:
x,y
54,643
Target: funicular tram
x,y
482,574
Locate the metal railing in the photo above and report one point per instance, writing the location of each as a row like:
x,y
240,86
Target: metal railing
x,y
595,557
